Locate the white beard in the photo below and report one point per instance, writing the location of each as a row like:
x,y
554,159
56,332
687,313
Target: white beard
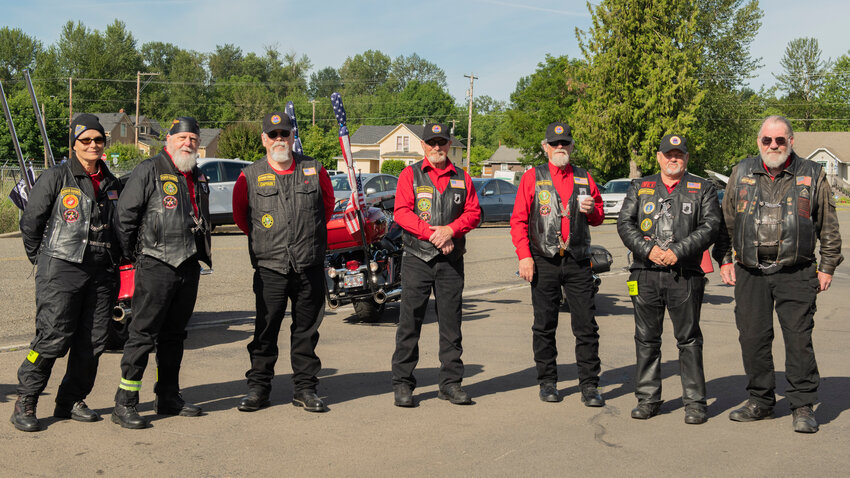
x,y
280,156
560,158
437,157
185,160
775,160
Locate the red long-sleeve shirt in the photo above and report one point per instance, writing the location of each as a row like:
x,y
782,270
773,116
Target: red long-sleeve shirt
x,y
562,179
190,182
405,209
241,215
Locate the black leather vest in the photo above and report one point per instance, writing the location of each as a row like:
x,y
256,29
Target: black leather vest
x,y
79,222
786,224
547,209
437,209
170,231
287,215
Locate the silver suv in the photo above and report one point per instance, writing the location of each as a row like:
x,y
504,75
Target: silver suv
x,y
222,175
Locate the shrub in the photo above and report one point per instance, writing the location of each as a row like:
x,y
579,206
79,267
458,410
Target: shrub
x,y
392,166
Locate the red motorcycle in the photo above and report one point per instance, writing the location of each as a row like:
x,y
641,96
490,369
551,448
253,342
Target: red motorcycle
x,y
121,312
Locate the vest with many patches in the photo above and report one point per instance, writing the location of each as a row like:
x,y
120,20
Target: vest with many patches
x,y
786,225
547,209
287,215
437,209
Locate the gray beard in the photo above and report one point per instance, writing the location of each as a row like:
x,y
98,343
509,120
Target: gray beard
x,y
185,161
281,157
560,160
775,160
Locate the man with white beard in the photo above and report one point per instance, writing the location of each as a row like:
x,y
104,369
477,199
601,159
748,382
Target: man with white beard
x,y
283,203
163,225
776,206
555,204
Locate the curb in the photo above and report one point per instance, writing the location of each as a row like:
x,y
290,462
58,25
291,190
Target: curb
x,y
10,234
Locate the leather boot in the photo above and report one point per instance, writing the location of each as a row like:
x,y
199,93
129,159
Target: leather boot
x,y
173,404
309,401
804,420
253,401
403,395
750,412
78,411
645,410
454,394
128,417
23,417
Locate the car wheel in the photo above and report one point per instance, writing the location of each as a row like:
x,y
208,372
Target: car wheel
x,y
368,310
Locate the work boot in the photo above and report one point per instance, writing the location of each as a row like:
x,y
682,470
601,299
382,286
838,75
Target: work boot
x,y
750,412
23,417
454,394
253,401
403,395
173,404
78,411
591,397
645,410
804,420
309,401
549,392
695,414
128,417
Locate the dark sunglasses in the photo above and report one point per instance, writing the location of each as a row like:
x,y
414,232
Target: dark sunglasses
x,y
87,141
767,140
278,134
437,142
560,142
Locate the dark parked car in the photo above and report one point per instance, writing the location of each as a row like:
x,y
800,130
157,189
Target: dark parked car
x,y
496,197
377,187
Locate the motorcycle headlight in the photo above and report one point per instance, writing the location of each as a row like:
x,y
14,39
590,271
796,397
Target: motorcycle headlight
x,y
373,266
331,272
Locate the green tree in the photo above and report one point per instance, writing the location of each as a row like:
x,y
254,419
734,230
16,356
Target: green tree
x,y
802,80
640,83
241,140
365,72
128,156
28,132
405,69
321,145
478,155
836,94
18,52
323,83
392,166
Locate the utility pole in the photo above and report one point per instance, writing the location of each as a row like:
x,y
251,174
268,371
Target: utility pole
x,y
139,75
472,79
314,111
70,109
45,128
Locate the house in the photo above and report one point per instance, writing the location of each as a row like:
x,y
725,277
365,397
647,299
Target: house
x,y
208,147
118,127
371,145
503,159
829,148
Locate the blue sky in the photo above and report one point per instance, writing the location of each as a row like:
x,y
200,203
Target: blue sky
x,y
497,40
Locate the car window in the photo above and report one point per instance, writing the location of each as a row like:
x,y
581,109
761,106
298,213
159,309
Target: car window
x,y
491,186
390,183
232,170
617,187
374,183
507,188
210,170
340,183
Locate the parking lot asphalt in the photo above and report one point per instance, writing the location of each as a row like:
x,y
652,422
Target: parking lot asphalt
x,y
507,432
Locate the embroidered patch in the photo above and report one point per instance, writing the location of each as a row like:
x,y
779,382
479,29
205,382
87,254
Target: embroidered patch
x,y
79,129
267,220
579,180
694,185
169,188
458,198
275,119
643,191
424,195
804,193
742,206
70,201
544,182
423,204
803,207
647,184
645,224
457,183
265,180
425,216
167,177
804,180
202,178
309,171
648,208
424,189
675,140
748,180
544,197
436,129
559,129
71,215
687,208
112,195
170,202
545,210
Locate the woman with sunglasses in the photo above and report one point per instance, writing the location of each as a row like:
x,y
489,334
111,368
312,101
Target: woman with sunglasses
x,y
67,231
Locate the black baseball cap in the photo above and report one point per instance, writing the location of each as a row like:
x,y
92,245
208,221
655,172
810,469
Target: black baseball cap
x,y
671,142
558,131
436,130
185,124
276,121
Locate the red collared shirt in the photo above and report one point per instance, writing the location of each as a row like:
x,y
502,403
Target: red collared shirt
x,y
190,182
240,196
562,179
96,178
773,178
405,209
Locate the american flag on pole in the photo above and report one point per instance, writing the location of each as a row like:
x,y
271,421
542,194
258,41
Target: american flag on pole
x,y
357,200
290,111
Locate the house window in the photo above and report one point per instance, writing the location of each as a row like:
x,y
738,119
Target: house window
x,y
406,143
402,143
123,129
504,166
398,143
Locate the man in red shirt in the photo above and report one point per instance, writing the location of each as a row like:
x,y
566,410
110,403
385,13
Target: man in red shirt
x,y
283,203
555,204
436,205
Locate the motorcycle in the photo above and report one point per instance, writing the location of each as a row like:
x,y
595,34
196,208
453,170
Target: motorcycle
x,y
366,277
600,261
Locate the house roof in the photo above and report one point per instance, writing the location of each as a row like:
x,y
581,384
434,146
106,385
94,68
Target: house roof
x,y
837,143
108,120
208,135
363,154
504,155
156,128
373,134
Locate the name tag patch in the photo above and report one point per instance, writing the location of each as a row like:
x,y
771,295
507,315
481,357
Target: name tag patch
x,y
424,189
264,180
647,184
545,182
643,191
167,177
748,180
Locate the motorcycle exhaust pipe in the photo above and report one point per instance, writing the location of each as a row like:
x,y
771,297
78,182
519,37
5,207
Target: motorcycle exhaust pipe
x,y
119,313
597,281
333,304
381,296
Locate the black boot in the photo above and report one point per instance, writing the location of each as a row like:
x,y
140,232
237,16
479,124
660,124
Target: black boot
x,y
128,417
24,417
173,404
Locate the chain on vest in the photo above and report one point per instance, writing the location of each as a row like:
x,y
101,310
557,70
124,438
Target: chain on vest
x,y
547,210
288,229
786,225
437,209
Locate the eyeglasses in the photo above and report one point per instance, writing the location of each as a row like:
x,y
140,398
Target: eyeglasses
x,y
437,142
780,140
100,140
278,134
561,142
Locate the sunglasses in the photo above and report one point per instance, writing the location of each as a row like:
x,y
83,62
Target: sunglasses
x,y
780,140
561,142
437,142
278,134
100,140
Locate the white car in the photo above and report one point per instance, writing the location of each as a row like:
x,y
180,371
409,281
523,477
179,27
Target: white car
x,y
221,176
613,195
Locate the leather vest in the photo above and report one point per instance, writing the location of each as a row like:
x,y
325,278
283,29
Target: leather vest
x,y
287,215
547,209
786,225
170,231
437,209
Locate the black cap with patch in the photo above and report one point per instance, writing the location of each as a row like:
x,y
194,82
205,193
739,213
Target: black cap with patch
x,y
558,131
185,124
671,142
276,121
436,130
85,122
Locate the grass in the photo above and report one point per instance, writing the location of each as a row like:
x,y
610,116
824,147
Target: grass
x,y
9,213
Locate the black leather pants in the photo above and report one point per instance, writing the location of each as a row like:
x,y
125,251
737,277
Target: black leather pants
x,y
680,293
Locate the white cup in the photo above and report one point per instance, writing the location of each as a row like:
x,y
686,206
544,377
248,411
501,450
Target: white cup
x,y
581,198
